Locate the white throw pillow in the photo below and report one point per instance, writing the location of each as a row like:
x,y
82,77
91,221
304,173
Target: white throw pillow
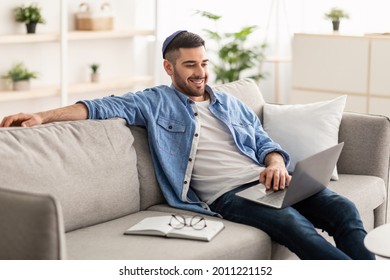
x,y
305,129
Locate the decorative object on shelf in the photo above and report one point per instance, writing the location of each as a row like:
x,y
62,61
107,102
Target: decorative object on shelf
x,y
95,73
20,76
335,15
30,15
94,19
234,56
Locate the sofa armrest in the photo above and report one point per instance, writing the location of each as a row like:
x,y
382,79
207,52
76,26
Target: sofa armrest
x,y
367,145
366,150
31,227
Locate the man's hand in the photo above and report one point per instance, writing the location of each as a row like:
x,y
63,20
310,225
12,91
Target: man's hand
x,y
21,119
275,175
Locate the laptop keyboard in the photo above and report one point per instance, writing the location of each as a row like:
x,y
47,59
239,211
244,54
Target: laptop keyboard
x,y
274,198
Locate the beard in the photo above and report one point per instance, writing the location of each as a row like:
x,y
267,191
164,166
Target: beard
x,y
193,86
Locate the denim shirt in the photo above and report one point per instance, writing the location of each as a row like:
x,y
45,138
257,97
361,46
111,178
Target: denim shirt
x,y
172,128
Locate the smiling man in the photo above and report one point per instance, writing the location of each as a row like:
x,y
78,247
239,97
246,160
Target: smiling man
x,y
187,67
206,145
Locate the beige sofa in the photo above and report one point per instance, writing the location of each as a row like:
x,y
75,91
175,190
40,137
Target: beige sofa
x,y
69,190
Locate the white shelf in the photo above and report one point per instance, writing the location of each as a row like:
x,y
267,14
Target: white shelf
x,y
114,34
29,38
79,88
29,94
72,36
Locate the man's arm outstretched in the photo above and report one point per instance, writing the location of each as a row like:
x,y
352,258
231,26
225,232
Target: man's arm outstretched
x,y
69,113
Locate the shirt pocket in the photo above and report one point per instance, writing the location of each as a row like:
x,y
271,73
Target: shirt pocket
x,y
244,133
170,135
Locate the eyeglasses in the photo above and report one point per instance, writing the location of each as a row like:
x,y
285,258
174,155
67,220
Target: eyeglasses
x,y
196,222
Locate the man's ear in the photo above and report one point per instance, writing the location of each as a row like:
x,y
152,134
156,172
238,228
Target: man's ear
x,y
168,67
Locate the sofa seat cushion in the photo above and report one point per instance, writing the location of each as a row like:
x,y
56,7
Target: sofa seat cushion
x,y
107,241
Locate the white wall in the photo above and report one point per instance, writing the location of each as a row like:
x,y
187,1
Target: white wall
x,y
300,15
293,16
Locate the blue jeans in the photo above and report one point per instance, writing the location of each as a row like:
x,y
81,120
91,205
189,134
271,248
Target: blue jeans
x,y
294,226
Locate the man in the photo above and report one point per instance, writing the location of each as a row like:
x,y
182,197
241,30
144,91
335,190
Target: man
x,y
207,145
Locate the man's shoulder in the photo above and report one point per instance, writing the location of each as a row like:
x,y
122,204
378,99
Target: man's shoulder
x,y
228,98
161,89
224,94
161,92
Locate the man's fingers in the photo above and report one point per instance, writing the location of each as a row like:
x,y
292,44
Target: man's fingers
x,y
20,119
275,178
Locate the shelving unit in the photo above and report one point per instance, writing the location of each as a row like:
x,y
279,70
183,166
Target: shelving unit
x,y
65,59
329,65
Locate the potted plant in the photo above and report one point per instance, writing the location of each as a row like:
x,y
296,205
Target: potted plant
x,y
234,55
335,15
30,15
20,76
94,74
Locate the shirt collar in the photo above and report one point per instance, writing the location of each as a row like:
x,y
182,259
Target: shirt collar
x,y
185,99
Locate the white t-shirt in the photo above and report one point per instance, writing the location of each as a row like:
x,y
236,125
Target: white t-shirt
x,y
219,165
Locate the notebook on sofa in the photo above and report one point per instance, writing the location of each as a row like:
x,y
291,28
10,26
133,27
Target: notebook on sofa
x,y
160,226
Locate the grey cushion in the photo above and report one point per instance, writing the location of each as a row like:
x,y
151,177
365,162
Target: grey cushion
x,y
31,227
149,189
89,166
106,241
366,151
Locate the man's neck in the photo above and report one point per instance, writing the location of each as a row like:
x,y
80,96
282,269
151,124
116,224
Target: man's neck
x,y
204,97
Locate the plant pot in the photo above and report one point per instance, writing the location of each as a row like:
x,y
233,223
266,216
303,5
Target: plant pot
x,y
21,85
31,27
94,77
336,25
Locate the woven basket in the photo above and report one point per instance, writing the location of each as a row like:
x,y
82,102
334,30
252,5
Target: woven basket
x,y
94,23
94,20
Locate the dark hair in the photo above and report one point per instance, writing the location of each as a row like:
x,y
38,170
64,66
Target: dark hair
x,y
183,40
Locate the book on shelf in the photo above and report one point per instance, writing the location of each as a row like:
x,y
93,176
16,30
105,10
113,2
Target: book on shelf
x,y
159,226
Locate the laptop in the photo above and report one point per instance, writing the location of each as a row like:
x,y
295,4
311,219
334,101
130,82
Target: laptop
x,y
310,176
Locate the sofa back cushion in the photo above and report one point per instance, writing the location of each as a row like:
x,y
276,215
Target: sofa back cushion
x,y
149,189
89,166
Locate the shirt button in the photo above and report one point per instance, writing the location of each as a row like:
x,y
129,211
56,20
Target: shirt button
x,y
190,159
196,114
185,182
196,134
170,127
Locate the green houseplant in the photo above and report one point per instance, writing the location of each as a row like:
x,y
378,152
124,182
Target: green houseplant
x,y
335,15
20,76
30,15
234,55
94,72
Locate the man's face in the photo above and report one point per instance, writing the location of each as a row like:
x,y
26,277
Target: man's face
x,y
189,74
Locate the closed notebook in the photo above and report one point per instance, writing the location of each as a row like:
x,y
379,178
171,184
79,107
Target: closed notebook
x,y
159,226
